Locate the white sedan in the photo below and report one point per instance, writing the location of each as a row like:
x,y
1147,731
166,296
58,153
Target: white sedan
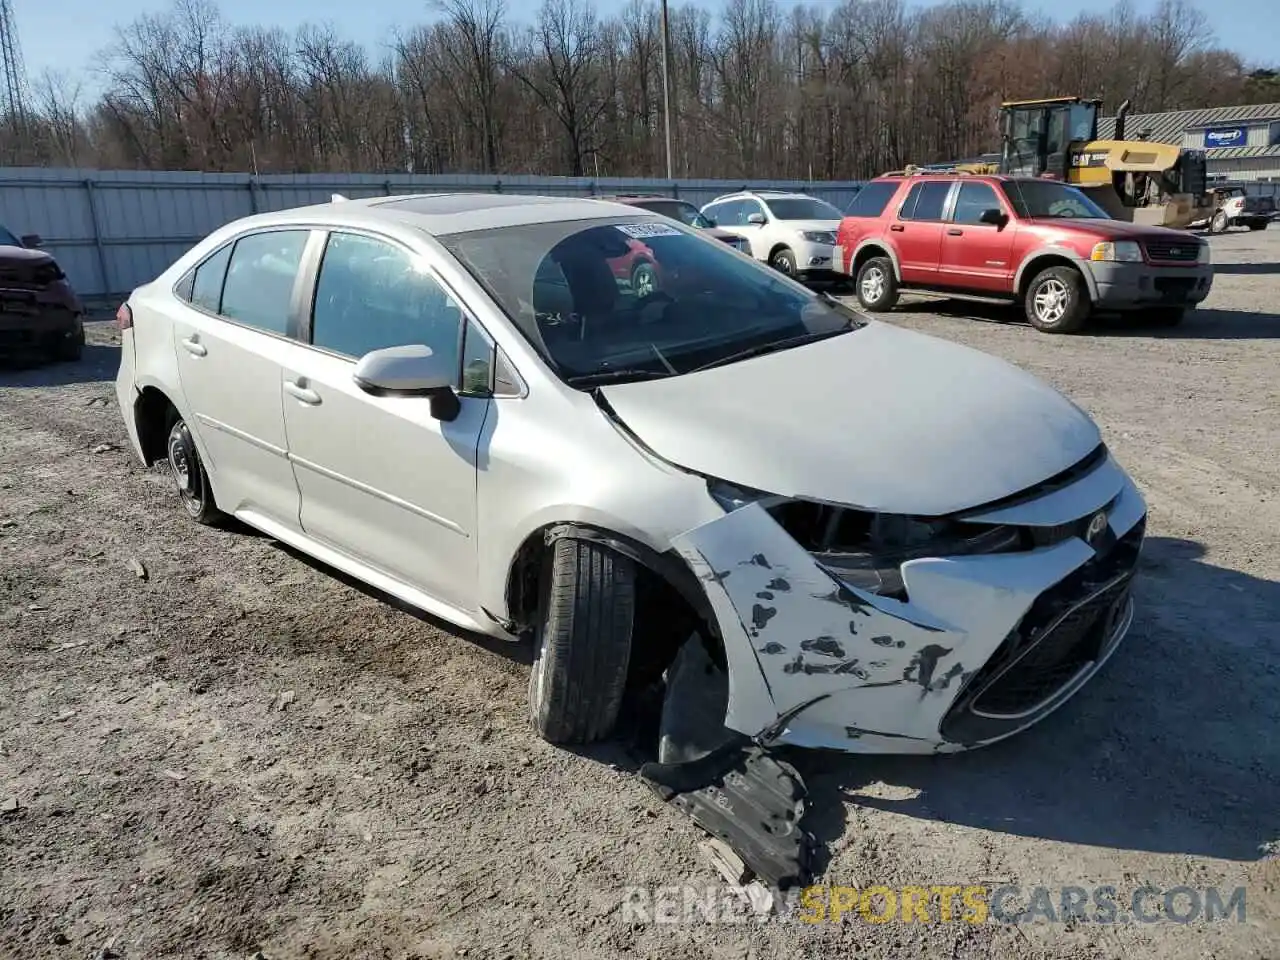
x,y
889,543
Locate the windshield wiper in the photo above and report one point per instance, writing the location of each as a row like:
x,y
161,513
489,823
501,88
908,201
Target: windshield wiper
x,y
774,345
597,377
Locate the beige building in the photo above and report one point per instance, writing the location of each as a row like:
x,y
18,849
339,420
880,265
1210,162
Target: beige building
x,y
1241,144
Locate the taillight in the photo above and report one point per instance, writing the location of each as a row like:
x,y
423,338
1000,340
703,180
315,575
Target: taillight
x,y
124,317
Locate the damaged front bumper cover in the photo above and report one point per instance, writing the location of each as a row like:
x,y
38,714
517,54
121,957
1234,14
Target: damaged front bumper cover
x,y
982,647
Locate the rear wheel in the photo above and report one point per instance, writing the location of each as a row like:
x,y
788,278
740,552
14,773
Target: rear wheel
x,y
188,474
877,285
583,636
1056,301
1258,225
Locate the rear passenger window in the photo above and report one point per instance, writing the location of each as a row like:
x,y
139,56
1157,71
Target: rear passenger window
x,y
373,294
259,285
871,200
925,201
206,289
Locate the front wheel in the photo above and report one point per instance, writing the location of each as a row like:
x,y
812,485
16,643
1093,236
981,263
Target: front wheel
x,y
1056,301
189,475
70,349
877,285
583,637
644,280
784,261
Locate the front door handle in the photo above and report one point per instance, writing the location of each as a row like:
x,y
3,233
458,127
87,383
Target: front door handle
x,y
897,227
302,393
955,233
194,347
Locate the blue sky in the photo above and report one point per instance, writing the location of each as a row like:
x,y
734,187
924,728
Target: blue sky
x,y
66,35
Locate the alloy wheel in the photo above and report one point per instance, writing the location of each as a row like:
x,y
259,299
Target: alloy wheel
x,y
1051,301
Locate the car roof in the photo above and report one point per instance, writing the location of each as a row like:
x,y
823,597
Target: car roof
x,y
767,194
449,213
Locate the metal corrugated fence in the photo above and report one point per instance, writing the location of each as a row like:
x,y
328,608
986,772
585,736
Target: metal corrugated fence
x,y
114,229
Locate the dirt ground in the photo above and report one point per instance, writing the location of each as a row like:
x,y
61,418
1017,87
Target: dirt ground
x,y
240,754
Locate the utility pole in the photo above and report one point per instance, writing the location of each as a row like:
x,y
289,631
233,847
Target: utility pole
x,y
666,87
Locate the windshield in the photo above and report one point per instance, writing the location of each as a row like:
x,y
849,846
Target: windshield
x,y
7,239
680,210
610,300
803,208
1047,198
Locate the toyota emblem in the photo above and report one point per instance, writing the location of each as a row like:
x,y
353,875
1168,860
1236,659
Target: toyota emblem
x,y
1097,524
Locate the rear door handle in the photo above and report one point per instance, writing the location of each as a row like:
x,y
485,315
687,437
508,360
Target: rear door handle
x,y
301,393
897,227
194,347
955,233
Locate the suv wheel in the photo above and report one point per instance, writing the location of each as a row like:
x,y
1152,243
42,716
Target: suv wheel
x,y
784,261
877,285
583,639
188,474
644,280
1056,301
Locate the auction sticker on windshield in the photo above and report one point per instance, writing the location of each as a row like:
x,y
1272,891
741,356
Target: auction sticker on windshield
x,y
644,231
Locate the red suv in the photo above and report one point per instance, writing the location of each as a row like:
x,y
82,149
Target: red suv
x,y
1041,242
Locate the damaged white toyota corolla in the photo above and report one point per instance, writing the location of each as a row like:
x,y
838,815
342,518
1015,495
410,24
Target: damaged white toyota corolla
x,y
588,425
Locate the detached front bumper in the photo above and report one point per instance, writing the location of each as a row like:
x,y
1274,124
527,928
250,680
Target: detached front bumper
x,y
984,646
1129,286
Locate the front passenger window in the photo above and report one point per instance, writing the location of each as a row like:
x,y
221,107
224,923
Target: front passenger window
x,y
372,294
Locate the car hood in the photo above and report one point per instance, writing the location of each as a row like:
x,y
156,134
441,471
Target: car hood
x,y
832,225
879,418
1114,229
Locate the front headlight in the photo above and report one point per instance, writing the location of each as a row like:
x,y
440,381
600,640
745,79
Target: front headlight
x,y
1120,251
1205,254
819,236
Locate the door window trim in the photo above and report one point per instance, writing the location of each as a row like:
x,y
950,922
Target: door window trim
x,y
292,329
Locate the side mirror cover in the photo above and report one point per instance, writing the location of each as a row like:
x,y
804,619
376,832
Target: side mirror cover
x,y
755,218
993,216
413,370
32,240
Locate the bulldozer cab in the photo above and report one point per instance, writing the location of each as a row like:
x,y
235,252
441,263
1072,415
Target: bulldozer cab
x,y
1037,134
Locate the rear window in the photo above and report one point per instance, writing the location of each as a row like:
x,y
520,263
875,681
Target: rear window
x,y
872,199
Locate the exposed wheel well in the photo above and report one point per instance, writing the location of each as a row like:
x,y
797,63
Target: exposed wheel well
x,y
1039,265
865,254
670,604
151,412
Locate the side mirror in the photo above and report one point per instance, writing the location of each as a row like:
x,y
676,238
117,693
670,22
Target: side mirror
x,y
32,240
755,218
410,371
993,216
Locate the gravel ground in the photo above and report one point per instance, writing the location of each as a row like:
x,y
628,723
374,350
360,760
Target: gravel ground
x,y
240,753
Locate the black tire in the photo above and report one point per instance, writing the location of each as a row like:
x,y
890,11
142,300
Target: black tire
x,y
1056,301
784,261
1219,222
187,470
877,285
68,349
1258,226
1164,316
644,279
583,642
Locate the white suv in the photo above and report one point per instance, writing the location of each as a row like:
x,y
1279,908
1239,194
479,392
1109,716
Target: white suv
x,y
792,232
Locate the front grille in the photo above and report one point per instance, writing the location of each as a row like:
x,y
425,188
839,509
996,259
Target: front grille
x,y
1055,655
1172,251
1065,630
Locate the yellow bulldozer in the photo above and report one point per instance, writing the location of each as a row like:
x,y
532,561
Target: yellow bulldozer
x,y
1135,180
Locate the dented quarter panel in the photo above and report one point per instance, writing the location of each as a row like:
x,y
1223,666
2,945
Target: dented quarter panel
x,y
814,662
